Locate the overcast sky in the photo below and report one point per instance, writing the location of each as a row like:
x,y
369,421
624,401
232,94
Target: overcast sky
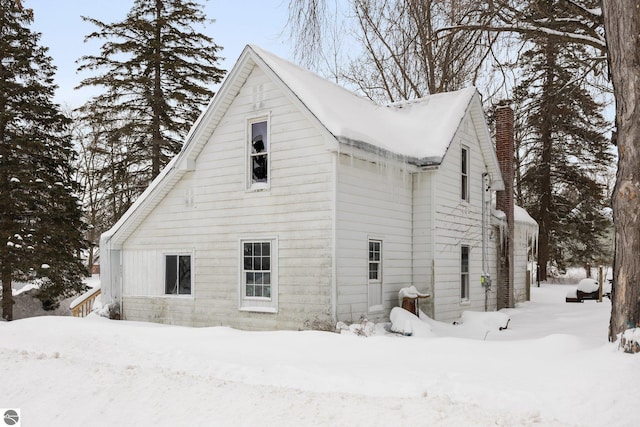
x,y
238,23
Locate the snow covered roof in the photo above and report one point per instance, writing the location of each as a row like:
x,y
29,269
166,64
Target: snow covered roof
x,y
419,130
521,215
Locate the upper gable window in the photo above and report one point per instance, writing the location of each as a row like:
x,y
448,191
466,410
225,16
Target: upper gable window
x,y
464,163
258,159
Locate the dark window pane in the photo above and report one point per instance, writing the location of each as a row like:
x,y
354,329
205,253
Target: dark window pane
x,y
464,259
258,291
259,168
259,137
267,292
266,278
463,192
248,249
464,160
250,290
266,263
250,278
248,263
266,249
185,275
171,274
373,271
257,249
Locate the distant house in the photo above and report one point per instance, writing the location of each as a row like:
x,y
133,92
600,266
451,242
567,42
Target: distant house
x,y
294,201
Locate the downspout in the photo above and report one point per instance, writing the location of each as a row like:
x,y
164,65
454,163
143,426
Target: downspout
x,y
486,280
334,235
432,227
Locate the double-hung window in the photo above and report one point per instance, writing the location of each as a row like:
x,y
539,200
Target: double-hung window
x,y
257,269
258,154
177,274
464,163
464,273
258,281
375,275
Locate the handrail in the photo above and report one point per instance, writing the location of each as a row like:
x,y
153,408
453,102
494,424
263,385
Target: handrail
x,y
81,306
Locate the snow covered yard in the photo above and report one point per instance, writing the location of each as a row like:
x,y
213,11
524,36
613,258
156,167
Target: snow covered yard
x,y
552,366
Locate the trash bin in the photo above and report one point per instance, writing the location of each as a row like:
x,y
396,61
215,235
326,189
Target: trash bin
x,y
409,299
411,304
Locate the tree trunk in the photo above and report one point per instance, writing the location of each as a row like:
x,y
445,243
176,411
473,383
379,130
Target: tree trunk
x,y
622,26
157,94
7,294
546,139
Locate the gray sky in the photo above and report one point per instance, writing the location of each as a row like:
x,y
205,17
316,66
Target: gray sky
x,y
238,23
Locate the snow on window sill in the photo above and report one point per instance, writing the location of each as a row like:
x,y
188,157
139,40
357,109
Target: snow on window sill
x,y
259,186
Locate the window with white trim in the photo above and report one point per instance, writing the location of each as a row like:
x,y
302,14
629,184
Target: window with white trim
x,y
258,281
375,275
258,154
464,273
177,274
464,163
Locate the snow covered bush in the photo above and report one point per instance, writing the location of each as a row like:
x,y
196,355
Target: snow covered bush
x,y
630,341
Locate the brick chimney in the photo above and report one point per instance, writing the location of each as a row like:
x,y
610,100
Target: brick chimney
x,y
504,203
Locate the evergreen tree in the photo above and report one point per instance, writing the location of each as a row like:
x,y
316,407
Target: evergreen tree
x,y
40,225
156,71
567,148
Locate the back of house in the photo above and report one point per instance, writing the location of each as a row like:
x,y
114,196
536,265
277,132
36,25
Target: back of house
x,y
295,203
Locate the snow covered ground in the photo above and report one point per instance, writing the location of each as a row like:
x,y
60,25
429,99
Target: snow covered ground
x,y
553,366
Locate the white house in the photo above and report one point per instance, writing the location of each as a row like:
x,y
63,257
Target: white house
x,y
295,201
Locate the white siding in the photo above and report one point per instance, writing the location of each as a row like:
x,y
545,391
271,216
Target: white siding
x,y
525,235
209,211
423,229
459,222
374,201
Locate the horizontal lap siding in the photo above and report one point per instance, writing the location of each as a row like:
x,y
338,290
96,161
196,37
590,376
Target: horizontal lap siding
x,y
422,237
459,223
297,210
523,232
373,201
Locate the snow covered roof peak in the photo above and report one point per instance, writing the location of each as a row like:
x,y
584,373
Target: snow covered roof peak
x,y
419,130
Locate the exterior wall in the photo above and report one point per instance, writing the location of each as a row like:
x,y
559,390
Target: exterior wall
x,y
524,237
459,222
374,200
209,211
423,232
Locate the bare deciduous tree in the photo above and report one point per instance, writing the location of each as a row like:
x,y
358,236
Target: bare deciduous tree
x,y
402,52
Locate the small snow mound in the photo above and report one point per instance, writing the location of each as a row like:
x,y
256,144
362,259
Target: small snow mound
x,y
630,341
363,329
492,321
588,285
406,323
